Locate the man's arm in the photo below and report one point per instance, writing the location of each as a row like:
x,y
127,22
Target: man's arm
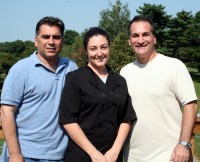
x,y
9,130
188,121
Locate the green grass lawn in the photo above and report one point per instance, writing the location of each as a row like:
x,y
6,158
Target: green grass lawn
x,y
197,87
1,145
196,78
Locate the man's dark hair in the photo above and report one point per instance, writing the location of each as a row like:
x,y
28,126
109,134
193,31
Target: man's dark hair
x,y
51,21
144,18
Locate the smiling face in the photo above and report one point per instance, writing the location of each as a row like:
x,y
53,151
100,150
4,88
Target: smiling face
x,y
49,42
142,41
98,51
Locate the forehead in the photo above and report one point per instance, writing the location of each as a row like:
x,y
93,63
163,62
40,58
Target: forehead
x,y
140,27
97,40
46,29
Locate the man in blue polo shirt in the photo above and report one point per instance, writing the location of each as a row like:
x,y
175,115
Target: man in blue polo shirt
x,y
30,99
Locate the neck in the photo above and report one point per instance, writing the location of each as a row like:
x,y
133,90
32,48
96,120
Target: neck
x,y
145,60
101,71
49,63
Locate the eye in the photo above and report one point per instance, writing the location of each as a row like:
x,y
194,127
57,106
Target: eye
x,y
92,48
45,36
104,47
134,35
57,37
146,34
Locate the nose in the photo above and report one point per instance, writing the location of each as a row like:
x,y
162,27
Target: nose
x,y
140,39
51,40
99,53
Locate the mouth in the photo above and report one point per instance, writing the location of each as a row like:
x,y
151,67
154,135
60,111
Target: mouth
x,y
141,45
100,59
51,49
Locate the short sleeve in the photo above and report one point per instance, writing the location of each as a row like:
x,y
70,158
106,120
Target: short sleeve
x,y
13,88
70,101
183,85
129,114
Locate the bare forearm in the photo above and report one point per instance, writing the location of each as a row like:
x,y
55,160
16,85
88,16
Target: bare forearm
x,y
121,136
9,129
188,121
112,154
78,136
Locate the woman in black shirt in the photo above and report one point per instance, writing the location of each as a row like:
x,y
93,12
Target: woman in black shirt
x,y
95,107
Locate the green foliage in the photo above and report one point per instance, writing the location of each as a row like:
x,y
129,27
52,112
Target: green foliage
x,y
15,47
69,37
115,20
76,51
6,61
10,53
178,33
120,53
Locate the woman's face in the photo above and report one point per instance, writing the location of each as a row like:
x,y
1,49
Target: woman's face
x,y
98,51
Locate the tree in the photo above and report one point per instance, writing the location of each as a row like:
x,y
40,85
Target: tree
x,y
76,51
115,20
69,36
160,19
6,61
120,53
179,33
195,40
29,49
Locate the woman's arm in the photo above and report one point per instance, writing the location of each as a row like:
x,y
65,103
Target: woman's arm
x,y
112,154
78,136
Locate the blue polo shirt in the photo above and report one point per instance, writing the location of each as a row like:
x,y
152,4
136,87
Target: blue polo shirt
x,y
36,91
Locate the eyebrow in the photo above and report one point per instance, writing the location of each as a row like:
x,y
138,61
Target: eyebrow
x,y
54,36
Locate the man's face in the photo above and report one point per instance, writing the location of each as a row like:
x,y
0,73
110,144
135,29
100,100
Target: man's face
x,y
49,42
141,39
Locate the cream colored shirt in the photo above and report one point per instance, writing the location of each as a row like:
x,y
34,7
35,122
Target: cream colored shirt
x,y
156,89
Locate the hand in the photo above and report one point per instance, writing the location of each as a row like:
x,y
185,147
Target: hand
x,y
16,158
111,155
180,154
98,157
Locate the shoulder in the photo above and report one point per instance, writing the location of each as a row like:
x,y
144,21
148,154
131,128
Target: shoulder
x,y
21,65
79,72
128,66
170,61
118,76
68,62
127,69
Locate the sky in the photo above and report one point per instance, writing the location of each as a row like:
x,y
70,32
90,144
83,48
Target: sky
x,y
19,17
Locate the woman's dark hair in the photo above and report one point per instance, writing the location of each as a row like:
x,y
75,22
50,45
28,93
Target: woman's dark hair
x,y
51,21
94,31
144,18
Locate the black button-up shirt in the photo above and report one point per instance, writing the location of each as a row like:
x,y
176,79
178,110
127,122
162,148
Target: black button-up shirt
x,y
99,108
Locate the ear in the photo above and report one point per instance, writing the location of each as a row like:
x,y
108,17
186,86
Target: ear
x,y
36,39
154,40
129,42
